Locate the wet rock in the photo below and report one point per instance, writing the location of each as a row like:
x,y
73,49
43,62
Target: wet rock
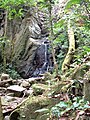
x,y
6,99
18,82
26,46
5,83
28,92
33,80
38,89
25,84
17,90
4,76
6,118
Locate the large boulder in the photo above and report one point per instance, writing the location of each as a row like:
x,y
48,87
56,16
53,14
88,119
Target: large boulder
x,y
27,110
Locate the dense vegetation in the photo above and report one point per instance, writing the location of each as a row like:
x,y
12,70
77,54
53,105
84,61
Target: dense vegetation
x,y
69,36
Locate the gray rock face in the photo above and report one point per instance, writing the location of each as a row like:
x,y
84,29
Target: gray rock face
x,y
30,53
30,49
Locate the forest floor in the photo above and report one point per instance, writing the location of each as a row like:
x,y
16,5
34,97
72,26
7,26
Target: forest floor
x,y
68,90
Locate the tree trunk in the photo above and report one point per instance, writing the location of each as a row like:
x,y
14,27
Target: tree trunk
x,y
4,44
86,88
86,92
51,38
1,114
71,50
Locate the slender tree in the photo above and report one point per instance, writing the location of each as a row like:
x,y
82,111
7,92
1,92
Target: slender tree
x,y
71,50
52,35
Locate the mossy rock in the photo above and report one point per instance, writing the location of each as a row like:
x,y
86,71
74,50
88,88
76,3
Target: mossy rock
x,y
39,88
26,111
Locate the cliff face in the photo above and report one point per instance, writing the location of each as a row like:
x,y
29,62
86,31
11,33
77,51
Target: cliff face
x,y
29,40
30,44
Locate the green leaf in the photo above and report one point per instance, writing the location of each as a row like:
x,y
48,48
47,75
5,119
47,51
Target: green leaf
x,y
62,105
55,111
87,49
72,2
75,104
86,106
59,23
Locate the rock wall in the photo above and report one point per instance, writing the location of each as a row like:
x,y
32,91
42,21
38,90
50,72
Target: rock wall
x,y
29,51
29,36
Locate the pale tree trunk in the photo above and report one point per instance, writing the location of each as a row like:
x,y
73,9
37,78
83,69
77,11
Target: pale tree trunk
x,y
1,114
71,50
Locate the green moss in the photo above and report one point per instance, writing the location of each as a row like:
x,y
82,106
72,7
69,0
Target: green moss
x,y
28,108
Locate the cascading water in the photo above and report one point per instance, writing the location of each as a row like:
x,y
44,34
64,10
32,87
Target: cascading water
x,y
44,68
42,59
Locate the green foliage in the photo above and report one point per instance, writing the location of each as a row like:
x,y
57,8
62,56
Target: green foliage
x,y
59,26
78,12
62,41
65,107
83,43
73,2
15,7
4,41
75,10
11,71
86,49
62,108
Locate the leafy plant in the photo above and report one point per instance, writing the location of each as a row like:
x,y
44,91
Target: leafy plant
x,y
10,70
69,107
65,108
13,73
87,49
15,7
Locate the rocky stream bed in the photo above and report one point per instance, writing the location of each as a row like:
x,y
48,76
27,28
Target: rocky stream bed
x,y
31,94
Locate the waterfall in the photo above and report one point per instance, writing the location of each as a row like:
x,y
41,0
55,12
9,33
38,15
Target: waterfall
x,y
45,45
45,65
43,61
46,57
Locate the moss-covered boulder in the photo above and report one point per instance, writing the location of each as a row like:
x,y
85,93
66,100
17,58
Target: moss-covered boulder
x,y
39,88
27,110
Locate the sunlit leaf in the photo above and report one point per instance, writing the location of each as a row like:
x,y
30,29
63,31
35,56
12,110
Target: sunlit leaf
x,y
86,48
62,104
72,2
